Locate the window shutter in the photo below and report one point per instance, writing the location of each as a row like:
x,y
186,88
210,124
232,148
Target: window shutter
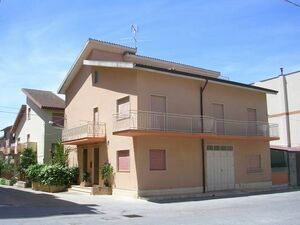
x,y
123,161
157,159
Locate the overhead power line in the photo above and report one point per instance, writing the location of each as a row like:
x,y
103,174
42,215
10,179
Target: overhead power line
x,y
293,3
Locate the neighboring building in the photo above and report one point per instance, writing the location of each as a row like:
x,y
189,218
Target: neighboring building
x,y
39,123
166,128
6,141
284,109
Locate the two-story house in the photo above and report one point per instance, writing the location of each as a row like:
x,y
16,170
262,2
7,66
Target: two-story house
x,y
39,123
6,141
284,109
166,128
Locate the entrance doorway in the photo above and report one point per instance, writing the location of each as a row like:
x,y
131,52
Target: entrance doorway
x,y
96,166
220,168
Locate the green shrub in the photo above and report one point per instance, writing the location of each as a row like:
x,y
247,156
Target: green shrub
x,y
10,182
33,172
26,159
55,174
2,181
106,171
59,155
85,176
73,175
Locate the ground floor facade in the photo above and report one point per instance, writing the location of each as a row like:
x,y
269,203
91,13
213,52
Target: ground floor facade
x,y
160,166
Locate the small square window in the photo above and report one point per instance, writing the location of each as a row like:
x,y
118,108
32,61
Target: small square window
x,y
58,119
254,163
157,159
123,161
95,77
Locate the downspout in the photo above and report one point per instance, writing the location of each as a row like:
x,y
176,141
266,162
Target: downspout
x,y
286,108
202,139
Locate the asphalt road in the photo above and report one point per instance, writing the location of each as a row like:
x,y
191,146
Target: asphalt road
x,y
19,206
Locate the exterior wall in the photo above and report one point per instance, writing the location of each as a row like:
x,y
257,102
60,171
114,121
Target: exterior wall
x,y
35,127
276,107
52,133
183,97
184,165
39,129
82,96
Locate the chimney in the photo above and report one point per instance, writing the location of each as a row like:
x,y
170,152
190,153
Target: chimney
x,y
281,70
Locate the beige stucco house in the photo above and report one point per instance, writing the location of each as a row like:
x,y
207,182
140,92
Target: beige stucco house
x,y
166,128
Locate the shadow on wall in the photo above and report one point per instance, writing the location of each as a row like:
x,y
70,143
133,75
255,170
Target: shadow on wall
x,y
22,204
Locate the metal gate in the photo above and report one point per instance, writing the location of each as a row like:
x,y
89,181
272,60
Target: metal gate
x,y
220,168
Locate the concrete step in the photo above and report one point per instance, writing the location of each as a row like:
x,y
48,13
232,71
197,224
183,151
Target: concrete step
x,y
77,188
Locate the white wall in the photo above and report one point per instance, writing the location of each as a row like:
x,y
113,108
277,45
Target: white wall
x,y
276,107
39,129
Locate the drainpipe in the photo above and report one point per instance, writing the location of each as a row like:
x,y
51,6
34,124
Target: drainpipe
x,y
286,108
202,139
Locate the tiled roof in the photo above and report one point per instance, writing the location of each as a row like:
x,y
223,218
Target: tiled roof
x,y
44,99
110,43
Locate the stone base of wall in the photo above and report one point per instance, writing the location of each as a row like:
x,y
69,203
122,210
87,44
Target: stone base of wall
x,y
180,192
254,185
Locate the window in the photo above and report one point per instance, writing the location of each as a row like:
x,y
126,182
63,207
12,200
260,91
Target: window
x,y
95,77
28,138
123,108
29,114
96,115
218,112
58,119
123,161
219,148
157,159
254,163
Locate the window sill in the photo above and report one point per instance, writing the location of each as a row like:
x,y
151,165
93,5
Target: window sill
x,y
258,171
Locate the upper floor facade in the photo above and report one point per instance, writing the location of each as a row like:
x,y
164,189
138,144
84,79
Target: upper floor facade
x,y
111,89
284,108
39,123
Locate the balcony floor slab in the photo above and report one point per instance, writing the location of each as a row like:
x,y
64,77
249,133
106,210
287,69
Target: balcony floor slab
x,y
159,133
85,141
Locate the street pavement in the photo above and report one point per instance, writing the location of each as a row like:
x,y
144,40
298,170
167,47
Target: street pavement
x,y
27,207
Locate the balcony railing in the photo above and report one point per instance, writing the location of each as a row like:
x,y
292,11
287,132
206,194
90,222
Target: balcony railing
x,y
89,130
22,146
154,121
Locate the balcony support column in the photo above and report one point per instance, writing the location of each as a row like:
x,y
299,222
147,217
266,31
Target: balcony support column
x,y
202,139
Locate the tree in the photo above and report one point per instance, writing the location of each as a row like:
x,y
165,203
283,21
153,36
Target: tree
x,y
2,166
59,155
26,159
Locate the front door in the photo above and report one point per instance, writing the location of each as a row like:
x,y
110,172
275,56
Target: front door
x,y
220,168
84,160
96,166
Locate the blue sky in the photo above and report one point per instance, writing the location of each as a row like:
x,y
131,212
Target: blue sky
x,y
244,40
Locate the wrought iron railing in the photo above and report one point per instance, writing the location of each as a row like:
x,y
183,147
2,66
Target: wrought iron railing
x,y
155,121
84,131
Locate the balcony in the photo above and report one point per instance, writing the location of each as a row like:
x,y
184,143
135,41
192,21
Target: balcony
x,y
85,134
22,146
143,123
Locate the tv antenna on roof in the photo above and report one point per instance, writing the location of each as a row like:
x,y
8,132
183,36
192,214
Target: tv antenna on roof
x,y
134,30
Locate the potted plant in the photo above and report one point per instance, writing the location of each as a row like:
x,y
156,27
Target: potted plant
x,y
85,179
106,173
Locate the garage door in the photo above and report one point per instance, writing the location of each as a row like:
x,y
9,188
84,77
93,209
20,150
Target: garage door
x,y
220,168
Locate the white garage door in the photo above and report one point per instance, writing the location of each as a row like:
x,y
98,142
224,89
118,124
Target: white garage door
x,y
220,168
